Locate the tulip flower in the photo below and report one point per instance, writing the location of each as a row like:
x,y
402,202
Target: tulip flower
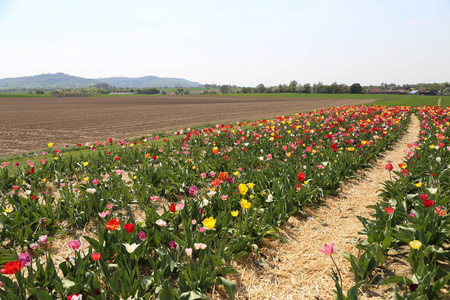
x,y
161,223
172,245
130,248
74,244
389,210
328,250
245,204
301,176
415,244
209,223
96,256
25,258
113,224
188,252
198,246
389,167
12,267
141,235
243,189
129,227
43,239
193,190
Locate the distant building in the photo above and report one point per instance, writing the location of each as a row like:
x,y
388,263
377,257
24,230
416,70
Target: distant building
x,y
384,91
424,92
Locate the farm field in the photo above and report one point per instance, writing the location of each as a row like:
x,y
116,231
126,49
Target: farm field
x,y
236,210
28,124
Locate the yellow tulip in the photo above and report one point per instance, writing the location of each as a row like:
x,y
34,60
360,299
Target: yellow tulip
x,y
243,189
234,213
245,204
50,145
209,223
250,185
415,244
85,163
419,184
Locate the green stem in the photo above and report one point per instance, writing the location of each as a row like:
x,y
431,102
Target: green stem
x,y
337,269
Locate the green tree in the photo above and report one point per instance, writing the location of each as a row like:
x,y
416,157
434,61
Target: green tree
x,y
225,89
282,88
306,88
292,88
355,88
260,88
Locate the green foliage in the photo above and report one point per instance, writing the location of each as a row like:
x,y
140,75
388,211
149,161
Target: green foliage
x,y
277,166
413,214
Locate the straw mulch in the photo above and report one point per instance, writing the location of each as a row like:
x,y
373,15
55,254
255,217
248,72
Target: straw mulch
x,y
296,269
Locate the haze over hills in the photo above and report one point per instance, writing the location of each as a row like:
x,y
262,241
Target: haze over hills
x,y
61,80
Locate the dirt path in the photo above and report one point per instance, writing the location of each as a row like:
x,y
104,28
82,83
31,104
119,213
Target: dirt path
x,y
297,270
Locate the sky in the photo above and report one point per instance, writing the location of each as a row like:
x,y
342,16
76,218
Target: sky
x,y
237,42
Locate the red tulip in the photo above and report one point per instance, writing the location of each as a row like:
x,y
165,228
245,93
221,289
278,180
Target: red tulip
x,y
96,256
389,210
12,267
389,167
301,176
129,227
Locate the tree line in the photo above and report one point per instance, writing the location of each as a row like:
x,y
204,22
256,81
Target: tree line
x,y
334,88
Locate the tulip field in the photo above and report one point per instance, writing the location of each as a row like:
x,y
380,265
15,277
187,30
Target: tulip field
x,y
164,216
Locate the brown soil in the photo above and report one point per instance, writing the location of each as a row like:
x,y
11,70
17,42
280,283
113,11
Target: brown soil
x,y
28,124
297,269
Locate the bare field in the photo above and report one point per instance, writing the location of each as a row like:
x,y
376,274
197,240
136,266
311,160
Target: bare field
x,y
28,124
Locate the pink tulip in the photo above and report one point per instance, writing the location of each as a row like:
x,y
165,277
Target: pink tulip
x,y
328,250
74,244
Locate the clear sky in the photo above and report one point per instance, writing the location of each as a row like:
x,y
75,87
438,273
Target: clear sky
x,y
242,42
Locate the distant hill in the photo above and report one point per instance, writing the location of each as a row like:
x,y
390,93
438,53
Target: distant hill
x,y
149,81
61,80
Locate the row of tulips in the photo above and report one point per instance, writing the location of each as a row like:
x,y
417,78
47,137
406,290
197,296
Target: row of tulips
x,y
167,217
413,217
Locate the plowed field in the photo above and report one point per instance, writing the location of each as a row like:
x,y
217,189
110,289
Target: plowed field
x,y
28,124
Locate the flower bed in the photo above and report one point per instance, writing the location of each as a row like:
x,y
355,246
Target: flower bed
x,y
209,195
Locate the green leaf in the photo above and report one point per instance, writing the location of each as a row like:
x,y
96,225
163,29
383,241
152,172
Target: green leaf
x,y
230,287
94,243
192,295
227,270
42,295
352,293
114,282
166,293
387,241
396,279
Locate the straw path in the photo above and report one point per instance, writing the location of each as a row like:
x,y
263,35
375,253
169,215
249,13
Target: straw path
x,y
296,269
